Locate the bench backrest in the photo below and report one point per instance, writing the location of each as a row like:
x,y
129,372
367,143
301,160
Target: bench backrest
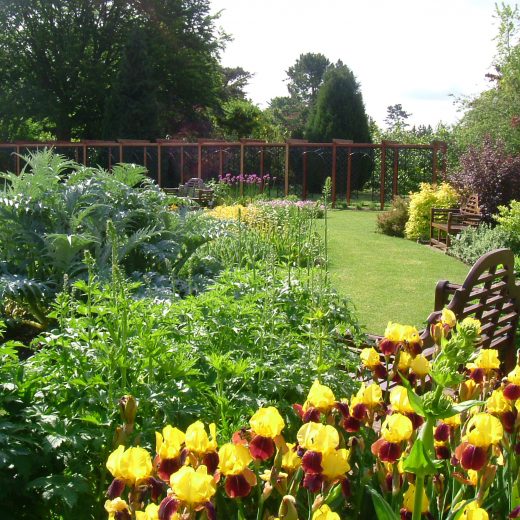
x,y
470,206
195,182
490,294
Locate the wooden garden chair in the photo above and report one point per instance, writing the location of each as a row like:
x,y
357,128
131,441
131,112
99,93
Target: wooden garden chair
x,y
446,222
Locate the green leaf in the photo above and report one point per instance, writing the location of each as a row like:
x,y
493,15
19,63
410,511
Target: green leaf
x,y
458,408
415,401
515,501
419,462
382,507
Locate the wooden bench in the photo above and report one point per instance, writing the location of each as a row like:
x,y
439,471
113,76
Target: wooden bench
x,y
446,222
490,294
195,190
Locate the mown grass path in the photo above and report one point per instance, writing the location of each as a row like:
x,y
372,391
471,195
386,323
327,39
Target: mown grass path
x,y
388,279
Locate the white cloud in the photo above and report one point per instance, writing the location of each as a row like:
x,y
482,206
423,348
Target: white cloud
x,y
417,53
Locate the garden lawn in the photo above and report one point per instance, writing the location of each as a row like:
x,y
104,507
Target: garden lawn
x,y
387,278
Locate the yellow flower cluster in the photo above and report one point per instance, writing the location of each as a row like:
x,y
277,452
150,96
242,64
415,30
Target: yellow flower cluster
x,y
233,212
329,453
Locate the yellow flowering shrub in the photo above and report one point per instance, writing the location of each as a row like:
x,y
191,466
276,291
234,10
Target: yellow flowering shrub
x,y
429,196
233,212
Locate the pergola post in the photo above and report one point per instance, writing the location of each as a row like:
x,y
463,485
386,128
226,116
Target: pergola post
x,y
286,187
199,160
383,175
396,171
305,174
241,169
333,176
349,174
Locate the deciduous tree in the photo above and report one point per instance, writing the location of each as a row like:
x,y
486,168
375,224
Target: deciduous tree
x,y
60,59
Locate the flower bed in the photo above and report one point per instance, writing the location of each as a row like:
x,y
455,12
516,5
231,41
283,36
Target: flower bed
x,y
423,439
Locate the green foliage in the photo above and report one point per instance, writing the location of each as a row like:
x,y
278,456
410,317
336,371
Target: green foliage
x,y
252,339
472,243
304,80
415,166
429,196
239,118
290,114
56,210
59,59
495,111
339,113
396,117
508,219
305,77
393,221
131,111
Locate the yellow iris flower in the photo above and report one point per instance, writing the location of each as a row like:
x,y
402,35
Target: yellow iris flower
x,y
233,458
150,513
411,334
448,318
420,366
290,459
370,396
454,421
370,358
487,359
394,332
112,507
320,397
131,465
473,512
514,376
193,486
405,360
399,400
497,403
198,441
318,437
483,430
409,498
396,428
325,513
335,463
267,422
168,445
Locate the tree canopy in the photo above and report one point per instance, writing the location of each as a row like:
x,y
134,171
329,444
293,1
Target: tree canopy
x,y
496,111
62,60
306,76
339,111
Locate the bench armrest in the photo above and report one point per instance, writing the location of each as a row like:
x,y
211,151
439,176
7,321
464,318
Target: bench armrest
x,y
442,215
443,290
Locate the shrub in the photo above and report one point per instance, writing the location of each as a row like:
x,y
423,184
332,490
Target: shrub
x,y
508,219
57,210
472,243
491,173
392,222
429,196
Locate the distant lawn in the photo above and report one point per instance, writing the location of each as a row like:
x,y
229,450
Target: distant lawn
x,y
386,278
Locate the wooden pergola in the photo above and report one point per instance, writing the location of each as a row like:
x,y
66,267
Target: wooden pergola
x,y
171,162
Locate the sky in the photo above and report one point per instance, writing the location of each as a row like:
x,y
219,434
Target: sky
x,y
422,54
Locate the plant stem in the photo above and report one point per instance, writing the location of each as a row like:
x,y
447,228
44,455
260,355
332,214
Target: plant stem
x,y
417,502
